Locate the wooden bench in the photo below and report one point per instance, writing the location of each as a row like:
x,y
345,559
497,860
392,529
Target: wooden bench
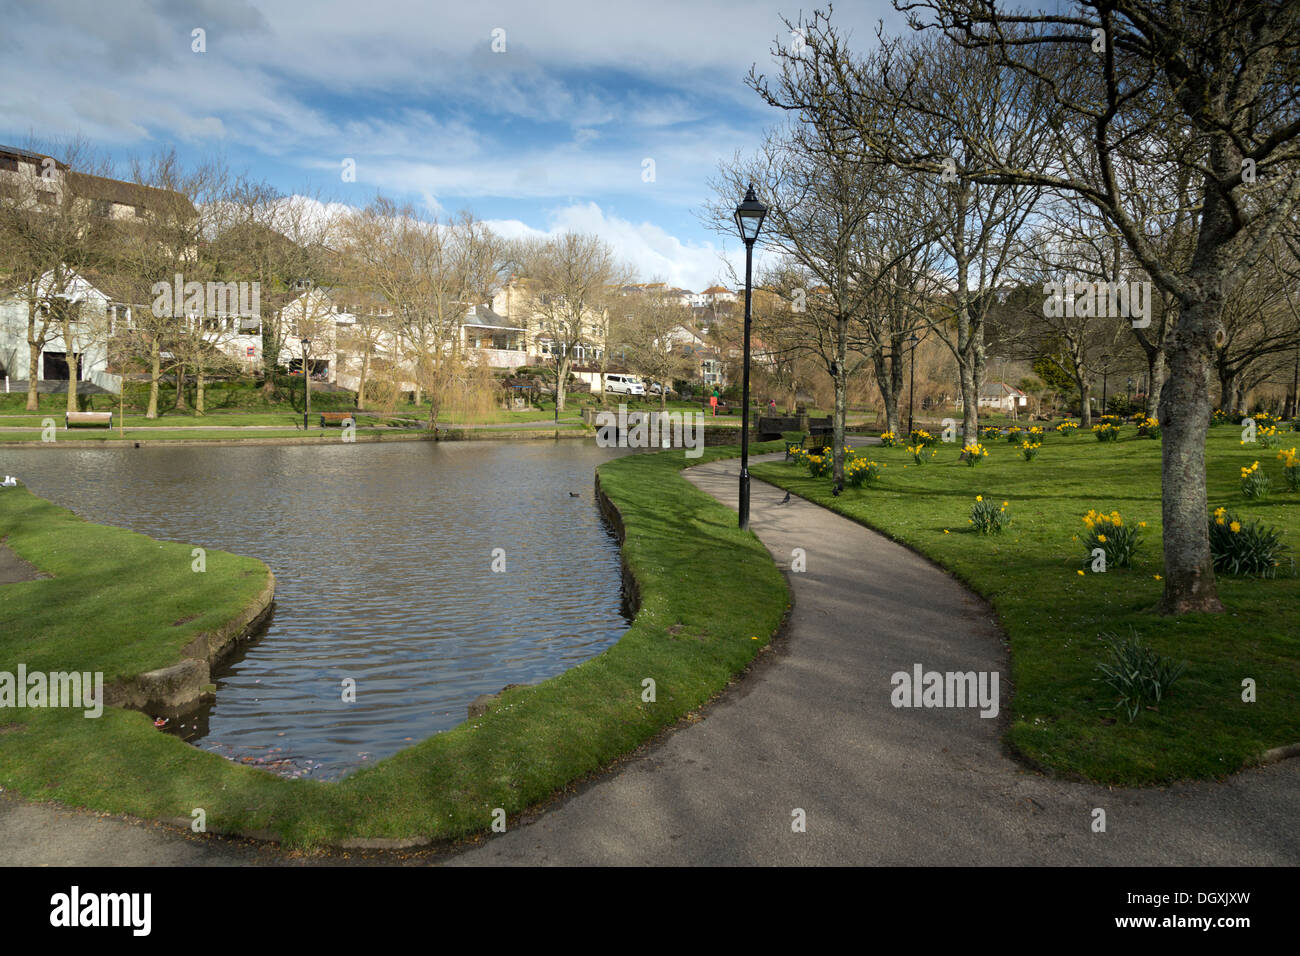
x,y
337,418
723,409
92,419
809,443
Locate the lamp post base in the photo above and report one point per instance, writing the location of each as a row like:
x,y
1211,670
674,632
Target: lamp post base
x,y
744,499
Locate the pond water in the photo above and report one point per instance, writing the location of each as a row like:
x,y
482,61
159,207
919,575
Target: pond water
x,y
383,561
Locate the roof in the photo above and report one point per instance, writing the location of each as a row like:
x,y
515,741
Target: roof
x,y
128,194
28,155
715,290
998,389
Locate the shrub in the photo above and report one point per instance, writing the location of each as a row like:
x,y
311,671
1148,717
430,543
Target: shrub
x,y
1248,548
1137,674
1290,468
888,439
1106,431
1117,540
1254,483
859,472
971,454
987,517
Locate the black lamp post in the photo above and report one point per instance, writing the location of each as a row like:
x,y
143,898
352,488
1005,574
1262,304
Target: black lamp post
x,y
306,385
913,342
749,220
1128,396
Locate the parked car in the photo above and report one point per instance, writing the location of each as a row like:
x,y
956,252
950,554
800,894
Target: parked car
x,y
624,385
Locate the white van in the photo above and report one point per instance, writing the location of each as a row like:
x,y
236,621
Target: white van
x,y
624,385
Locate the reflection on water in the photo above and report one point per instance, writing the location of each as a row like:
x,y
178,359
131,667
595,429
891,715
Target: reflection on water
x,y
382,556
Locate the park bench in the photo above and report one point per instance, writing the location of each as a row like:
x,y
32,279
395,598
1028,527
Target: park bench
x,y
87,418
723,408
809,443
337,418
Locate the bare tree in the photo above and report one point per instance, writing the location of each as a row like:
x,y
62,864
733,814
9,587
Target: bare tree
x,y
1136,80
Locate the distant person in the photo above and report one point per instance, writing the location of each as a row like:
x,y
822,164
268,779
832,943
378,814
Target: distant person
x,y
713,404
771,407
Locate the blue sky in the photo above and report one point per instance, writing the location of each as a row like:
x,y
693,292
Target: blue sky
x,y
552,133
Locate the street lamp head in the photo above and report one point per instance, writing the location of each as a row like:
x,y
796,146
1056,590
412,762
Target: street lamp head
x,y
749,217
913,340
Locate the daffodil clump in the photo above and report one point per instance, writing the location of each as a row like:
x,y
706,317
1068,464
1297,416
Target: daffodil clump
x,y
990,431
1106,431
819,466
888,439
922,437
1067,428
1290,468
1254,483
1219,417
1267,436
1013,434
1036,433
1029,449
1117,540
1148,428
859,472
988,517
919,453
1246,548
972,454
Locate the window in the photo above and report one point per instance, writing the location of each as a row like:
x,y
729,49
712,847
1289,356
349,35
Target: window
x,y
9,190
46,197
9,163
101,208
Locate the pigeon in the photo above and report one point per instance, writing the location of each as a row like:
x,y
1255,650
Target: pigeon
x,y
574,494
786,498
837,489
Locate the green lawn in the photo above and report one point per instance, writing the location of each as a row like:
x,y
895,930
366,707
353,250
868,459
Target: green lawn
x,y
1054,616
116,597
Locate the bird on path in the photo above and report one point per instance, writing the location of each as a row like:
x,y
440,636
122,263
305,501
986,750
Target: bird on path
x,y
574,494
786,498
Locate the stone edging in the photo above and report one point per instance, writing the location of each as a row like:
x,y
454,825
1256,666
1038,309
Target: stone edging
x,y
183,685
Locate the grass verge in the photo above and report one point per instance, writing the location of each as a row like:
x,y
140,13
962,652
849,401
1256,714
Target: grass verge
x,y
689,637
1054,617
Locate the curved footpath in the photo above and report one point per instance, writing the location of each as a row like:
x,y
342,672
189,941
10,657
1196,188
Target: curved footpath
x,y
811,727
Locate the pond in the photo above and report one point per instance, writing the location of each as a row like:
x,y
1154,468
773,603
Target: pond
x,y
383,559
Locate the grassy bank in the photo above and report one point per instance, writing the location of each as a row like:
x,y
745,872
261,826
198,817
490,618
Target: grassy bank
x,y
694,631
1054,616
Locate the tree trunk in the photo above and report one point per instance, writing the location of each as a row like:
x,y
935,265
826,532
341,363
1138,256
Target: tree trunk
x,y
970,428
1085,402
180,387
1184,421
155,373
33,373
72,367
561,376
1155,381
886,374
198,386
